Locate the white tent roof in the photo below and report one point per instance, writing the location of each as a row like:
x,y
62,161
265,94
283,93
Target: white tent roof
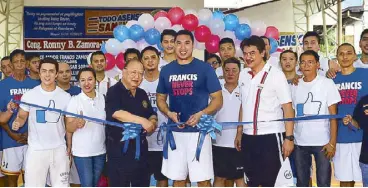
x,y
232,3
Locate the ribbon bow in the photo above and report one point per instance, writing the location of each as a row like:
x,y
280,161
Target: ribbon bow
x,y
206,125
132,131
165,130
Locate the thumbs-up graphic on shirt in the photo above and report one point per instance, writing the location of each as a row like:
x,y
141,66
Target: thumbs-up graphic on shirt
x,y
46,116
309,107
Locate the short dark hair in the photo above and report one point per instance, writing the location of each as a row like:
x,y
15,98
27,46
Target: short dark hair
x,y
254,41
227,40
31,55
49,60
310,52
132,51
289,51
170,32
97,53
5,58
218,59
365,31
312,34
345,44
151,48
232,60
16,52
185,32
264,37
86,69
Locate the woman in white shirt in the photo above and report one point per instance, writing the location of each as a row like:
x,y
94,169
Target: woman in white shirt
x,y
88,141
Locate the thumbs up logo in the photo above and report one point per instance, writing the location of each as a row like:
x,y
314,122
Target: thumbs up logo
x,y
309,107
46,116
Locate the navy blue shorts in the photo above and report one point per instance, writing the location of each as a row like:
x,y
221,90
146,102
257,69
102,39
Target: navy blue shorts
x,y
227,163
155,165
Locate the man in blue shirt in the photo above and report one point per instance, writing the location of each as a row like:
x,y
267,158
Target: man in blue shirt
x,y
12,88
189,83
352,87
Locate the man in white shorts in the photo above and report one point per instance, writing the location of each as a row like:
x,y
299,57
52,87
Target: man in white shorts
x,y
189,83
14,148
47,151
352,87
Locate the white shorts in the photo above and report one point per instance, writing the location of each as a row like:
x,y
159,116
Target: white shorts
x,y
14,160
1,156
346,162
43,162
182,161
73,176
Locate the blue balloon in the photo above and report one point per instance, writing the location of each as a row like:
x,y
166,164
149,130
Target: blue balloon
x,y
159,46
274,45
218,15
136,32
152,36
231,22
243,31
121,32
103,48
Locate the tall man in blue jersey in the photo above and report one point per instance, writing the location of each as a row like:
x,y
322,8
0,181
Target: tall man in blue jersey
x,y
352,87
12,88
189,83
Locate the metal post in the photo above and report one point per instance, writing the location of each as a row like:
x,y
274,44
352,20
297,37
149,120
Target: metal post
x,y
339,23
307,14
324,25
6,34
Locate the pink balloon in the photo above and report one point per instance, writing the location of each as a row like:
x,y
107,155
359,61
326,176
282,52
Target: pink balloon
x,y
120,63
272,32
160,13
202,33
190,22
176,14
212,44
110,61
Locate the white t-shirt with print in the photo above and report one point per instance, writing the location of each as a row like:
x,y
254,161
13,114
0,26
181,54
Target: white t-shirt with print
x,y
46,129
313,98
162,64
150,88
228,113
359,64
90,140
104,85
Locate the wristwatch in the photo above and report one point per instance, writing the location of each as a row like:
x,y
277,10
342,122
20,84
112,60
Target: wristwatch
x,y
291,137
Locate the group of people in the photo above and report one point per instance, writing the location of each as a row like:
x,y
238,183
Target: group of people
x,y
46,134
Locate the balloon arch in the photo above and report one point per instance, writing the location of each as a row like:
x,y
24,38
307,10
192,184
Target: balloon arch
x,y
208,28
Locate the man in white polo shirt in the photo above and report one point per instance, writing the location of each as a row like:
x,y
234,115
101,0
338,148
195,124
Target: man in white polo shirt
x,y
265,95
314,95
46,132
227,161
98,63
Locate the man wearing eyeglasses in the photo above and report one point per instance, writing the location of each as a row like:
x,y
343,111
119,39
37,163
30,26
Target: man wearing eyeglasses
x,y
214,60
127,103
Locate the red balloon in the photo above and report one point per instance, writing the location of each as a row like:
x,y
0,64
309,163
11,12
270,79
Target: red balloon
x,y
160,13
120,63
272,32
202,33
190,22
212,44
175,15
110,61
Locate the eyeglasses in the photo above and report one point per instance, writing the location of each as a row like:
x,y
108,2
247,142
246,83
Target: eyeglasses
x,y
213,63
135,73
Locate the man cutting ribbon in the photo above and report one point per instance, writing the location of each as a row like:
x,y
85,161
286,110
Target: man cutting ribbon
x,y
190,83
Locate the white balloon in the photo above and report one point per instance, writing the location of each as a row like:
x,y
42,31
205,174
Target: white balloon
x,y
162,23
258,28
191,11
89,58
146,21
244,20
199,45
113,46
112,73
177,28
130,23
142,44
128,43
217,26
229,34
204,16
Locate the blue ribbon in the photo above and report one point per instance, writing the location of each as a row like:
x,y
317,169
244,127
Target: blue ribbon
x,y
131,130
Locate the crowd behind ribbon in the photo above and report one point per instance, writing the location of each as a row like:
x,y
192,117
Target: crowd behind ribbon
x,y
50,148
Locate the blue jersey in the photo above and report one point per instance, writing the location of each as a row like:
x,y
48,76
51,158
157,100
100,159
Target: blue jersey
x,y
74,90
352,88
188,86
13,89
